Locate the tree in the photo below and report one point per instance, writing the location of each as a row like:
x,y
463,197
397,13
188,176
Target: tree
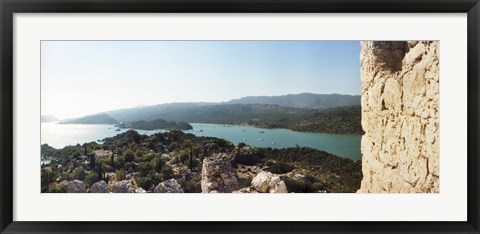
x,y
190,163
99,172
129,156
112,159
92,161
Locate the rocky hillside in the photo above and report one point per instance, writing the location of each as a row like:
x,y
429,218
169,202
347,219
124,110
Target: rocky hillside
x,y
175,162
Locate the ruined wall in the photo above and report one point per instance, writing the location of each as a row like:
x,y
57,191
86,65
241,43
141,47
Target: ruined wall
x,y
400,116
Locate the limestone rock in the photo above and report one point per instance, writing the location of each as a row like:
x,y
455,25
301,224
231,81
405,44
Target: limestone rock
x,y
400,117
169,186
140,190
76,186
218,174
99,187
266,182
122,187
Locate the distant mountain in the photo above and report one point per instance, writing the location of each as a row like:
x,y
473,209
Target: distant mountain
x,y
303,100
181,111
48,118
169,112
92,119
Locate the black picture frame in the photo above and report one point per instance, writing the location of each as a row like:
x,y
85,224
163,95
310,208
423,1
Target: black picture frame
x,y
9,7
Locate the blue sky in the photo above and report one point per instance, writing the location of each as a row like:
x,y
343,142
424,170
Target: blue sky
x,y
87,77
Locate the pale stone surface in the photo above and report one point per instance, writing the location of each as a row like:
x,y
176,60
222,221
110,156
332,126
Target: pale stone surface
x,y
99,187
400,116
76,186
122,187
266,182
218,174
169,186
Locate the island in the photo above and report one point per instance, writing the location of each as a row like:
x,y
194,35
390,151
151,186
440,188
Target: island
x,y
156,124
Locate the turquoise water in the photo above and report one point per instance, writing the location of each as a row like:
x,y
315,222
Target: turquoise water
x,y
348,146
61,135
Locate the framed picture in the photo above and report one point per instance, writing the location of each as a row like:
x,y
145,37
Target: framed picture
x,y
239,117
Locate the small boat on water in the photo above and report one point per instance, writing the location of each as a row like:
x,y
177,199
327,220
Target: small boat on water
x,y
261,131
273,143
260,139
244,130
244,139
118,129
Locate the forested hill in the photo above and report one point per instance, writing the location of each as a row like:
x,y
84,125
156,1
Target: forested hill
x,y
341,120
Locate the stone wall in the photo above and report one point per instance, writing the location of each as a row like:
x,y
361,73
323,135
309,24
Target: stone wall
x,y
400,116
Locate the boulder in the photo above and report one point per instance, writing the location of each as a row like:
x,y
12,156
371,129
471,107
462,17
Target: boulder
x,y
76,186
169,186
218,174
266,182
122,187
246,155
140,190
99,187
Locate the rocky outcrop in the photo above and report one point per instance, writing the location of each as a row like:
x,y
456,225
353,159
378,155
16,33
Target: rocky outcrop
x,y
122,187
169,186
400,116
99,187
140,190
218,174
246,155
76,186
266,182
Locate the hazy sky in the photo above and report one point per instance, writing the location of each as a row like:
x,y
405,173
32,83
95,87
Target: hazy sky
x,y
87,77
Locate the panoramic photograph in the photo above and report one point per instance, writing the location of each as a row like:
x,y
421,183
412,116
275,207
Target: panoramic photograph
x,y
239,117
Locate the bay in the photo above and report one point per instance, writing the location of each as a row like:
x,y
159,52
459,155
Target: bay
x,y
347,146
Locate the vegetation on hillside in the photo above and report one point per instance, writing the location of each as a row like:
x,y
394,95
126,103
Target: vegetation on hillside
x,y
145,161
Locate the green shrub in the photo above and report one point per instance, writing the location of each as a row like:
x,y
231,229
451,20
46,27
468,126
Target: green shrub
x,y
57,188
145,168
91,179
46,179
79,173
145,183
120,174
167,172
298,186
173,146
244,183
279,167
129,156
